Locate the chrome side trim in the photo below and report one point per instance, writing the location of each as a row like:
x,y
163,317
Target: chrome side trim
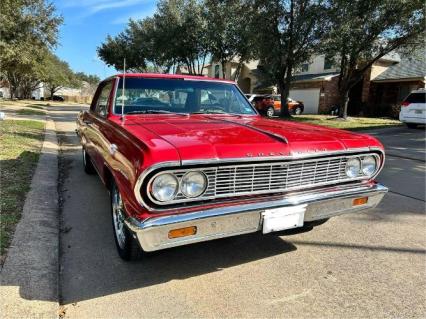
x,y
246,218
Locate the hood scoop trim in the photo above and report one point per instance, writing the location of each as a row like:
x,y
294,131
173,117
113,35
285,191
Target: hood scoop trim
x,y
269,134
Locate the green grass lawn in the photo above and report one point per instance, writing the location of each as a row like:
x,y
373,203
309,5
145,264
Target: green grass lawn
x,y
19,152
29,112
352,123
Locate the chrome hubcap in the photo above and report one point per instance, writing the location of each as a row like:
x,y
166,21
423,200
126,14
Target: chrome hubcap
x,y
270,112
84,156
118,217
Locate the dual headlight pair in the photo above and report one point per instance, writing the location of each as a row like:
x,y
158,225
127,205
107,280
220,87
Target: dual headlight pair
x,y
165,186
364,166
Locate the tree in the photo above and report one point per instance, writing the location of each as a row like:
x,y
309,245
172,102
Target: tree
x,y
27,27
228,37
174,36
364,31
288,33
89,78
57,74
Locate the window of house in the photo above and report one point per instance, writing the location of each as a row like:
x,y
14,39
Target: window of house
x,y
328,62
216,71
305,67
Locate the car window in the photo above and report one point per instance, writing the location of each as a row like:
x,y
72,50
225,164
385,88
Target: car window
x,y
101,107
180,96
416,98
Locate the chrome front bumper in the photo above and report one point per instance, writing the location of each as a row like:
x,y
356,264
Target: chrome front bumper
x,y
243,219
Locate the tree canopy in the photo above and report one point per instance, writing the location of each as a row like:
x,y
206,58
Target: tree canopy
x,y
367,30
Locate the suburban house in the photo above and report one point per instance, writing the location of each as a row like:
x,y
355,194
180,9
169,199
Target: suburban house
x,y
384,85
79,95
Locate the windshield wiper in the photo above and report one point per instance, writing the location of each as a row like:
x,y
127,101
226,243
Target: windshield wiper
x,y
209,112
154,112
216,112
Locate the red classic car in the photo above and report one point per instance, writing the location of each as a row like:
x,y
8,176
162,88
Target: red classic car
x,y
188,159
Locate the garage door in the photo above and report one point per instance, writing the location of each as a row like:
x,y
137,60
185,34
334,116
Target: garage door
x,y
309,97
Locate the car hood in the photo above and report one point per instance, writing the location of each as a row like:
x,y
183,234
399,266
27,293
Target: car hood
x,y
198,137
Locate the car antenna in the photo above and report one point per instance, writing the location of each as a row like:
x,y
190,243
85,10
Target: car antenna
x,y
122,92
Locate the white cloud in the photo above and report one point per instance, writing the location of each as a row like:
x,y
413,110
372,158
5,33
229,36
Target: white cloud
x,y
134,15
94,6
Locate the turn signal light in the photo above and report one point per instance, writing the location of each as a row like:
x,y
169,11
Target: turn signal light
x,y
405,103
360,201
182,232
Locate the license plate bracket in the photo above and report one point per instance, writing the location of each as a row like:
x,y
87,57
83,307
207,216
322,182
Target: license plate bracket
x,y
283,218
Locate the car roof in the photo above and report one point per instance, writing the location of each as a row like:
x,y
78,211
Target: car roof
x,y
170,76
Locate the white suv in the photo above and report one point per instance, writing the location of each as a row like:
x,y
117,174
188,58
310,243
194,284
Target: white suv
x,y
413,109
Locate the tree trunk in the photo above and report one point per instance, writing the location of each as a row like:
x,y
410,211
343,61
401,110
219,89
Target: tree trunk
x,y
284,89
223,69
344,102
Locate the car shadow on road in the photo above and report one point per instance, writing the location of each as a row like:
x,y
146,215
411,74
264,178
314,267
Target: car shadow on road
x,y
113,275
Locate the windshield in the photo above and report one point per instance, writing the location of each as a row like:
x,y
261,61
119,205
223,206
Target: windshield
x,y
143,95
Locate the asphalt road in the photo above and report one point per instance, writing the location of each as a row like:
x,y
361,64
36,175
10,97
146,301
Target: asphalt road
x,y
363,265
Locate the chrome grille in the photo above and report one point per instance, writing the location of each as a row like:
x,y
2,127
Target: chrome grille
x,y
269,177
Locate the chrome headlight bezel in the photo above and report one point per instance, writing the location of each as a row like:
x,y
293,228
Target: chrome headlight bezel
x,y
155,188
369,162
186,179
353,167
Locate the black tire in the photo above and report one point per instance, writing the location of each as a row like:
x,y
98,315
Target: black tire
x,y
87,163
270,111
128,247
411,125
298,110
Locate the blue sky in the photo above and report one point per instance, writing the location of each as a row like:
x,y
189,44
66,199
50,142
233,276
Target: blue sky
x,y
86,25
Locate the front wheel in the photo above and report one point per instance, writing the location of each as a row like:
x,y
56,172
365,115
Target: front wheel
x,y
270,111
128,248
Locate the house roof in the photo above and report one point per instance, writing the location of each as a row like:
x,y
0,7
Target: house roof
x,y
406,69
314,77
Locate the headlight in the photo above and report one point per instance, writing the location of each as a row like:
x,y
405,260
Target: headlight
x,y
353,167
193,184
165,187
369,165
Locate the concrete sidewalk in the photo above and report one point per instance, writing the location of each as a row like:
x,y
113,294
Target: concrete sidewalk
x,y
29,277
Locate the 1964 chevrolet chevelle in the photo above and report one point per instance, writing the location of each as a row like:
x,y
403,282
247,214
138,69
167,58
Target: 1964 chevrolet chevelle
x,y
187,159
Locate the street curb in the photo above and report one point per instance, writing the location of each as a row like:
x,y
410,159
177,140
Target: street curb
x,y
29,278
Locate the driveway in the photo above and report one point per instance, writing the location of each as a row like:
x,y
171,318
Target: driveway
x,y
363,265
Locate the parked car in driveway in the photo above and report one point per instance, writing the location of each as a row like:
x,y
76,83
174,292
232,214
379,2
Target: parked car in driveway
x,y
413,109
263,103
270,105
294,107
188,159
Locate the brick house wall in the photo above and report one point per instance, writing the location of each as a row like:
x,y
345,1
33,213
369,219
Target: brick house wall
x,y
329,93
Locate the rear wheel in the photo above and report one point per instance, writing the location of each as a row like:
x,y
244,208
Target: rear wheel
x,y
270,111
298,110
411,125
128,248
87,163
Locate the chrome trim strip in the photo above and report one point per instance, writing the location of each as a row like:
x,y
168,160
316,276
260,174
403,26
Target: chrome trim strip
x,y
325,199
139,181
216,161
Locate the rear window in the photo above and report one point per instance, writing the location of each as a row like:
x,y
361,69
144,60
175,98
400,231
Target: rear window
x,y
416,98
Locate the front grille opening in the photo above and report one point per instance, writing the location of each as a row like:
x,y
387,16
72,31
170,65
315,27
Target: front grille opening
x,y
227,181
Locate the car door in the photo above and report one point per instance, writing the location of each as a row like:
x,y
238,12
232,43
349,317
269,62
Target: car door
x,y
94,120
